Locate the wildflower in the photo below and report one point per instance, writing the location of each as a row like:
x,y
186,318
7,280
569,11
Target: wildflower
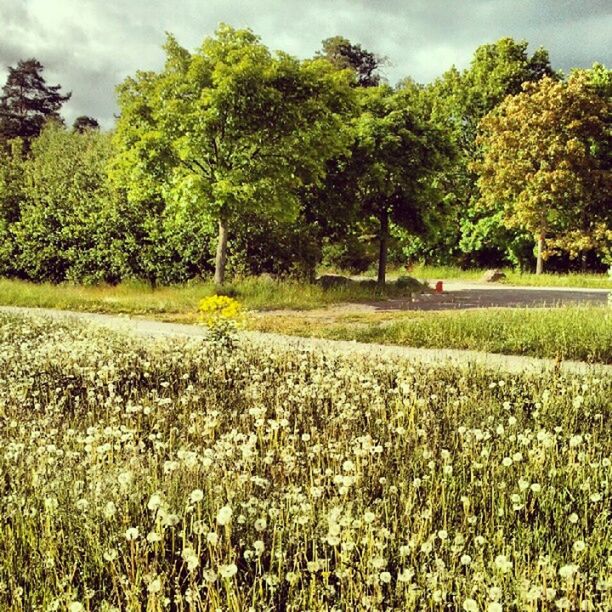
x,y
495,606
228,571
575,441
75,606
503,564
466,559
385,577
567,571
224,516
109,510
470,605
155,585
369,517
196,496
259,547
406,575
260,524
189,556
578,546
154,502
131,533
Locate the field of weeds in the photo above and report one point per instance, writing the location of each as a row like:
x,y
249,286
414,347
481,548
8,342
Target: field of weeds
x,y
185,475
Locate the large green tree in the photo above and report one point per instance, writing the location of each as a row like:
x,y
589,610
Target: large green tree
x,y
395,156
457,101
230,129
541,161
27,102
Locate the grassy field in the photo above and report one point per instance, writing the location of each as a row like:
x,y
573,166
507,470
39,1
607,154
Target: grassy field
x,y
573,279
580,333
142,475
140,298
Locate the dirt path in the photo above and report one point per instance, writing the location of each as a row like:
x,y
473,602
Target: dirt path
x,y
146,327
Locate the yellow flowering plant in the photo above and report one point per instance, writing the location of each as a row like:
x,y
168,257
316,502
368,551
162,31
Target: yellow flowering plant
x,y
223,316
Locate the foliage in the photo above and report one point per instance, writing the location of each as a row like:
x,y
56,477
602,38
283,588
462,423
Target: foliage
x,y
540,162
174,469
27,102
457,101
11,197
395,154
223,316
83,122
68,227
344,54
230,129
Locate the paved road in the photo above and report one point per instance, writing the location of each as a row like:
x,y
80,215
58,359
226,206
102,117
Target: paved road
x,y
437,357
459,295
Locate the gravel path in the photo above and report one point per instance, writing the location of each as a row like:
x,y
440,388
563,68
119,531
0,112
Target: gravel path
x,y
146,327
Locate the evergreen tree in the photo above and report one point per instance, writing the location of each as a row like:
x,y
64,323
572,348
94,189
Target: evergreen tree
x,y
27,102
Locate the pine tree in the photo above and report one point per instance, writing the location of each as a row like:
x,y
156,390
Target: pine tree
x,y
27,102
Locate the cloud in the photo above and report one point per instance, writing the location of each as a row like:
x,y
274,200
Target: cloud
x,y
89,46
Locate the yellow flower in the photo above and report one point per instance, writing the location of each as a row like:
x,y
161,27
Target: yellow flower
x,y
218,309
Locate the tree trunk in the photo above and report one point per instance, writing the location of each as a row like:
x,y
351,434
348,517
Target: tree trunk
x,y
540,260
383,243
583,261
221,258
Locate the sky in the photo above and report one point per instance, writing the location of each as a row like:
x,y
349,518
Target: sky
x,y
89,46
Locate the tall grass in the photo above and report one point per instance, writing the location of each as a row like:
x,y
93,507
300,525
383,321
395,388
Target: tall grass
x,y
180,475
571,332
139,298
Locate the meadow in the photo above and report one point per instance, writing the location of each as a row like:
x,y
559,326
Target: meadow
x,y
193,475
582,333
139,298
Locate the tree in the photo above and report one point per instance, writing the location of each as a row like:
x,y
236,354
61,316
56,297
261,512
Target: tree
x,y
396,154
83,123
27,102
457,102
343,54
69,226
230,129
11,198
541,163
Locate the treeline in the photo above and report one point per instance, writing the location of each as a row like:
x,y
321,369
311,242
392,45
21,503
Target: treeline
x,y
233,159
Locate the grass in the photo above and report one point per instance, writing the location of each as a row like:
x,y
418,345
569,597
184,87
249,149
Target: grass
x,y
571,279
141,299
579,333
171,474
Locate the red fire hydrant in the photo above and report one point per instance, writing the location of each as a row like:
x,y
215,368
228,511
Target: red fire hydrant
x,y
439,288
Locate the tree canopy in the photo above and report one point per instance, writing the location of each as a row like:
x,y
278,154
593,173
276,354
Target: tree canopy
x,y
540,160
27,102
231,128
344,54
